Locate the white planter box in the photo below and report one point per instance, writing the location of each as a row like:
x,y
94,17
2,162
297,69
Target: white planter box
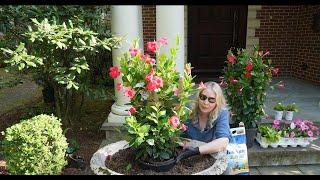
x,y
284,142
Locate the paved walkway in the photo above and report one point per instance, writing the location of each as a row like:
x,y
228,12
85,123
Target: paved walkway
x,y
12,97
304,94
286,170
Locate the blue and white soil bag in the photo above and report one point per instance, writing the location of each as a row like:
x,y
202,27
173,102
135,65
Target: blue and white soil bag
x,y
237,153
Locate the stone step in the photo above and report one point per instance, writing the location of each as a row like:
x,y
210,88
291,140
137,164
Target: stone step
x,y
258,156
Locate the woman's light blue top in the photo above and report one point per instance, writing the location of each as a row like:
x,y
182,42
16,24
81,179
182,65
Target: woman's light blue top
x,y
220,128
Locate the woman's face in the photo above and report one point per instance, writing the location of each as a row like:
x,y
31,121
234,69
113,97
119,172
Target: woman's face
x,y
207,101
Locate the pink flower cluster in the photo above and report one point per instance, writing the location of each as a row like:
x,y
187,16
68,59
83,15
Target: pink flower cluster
x,y
297,128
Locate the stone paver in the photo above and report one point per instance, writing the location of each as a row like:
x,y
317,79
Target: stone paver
x,y
254,171
310,169
280,170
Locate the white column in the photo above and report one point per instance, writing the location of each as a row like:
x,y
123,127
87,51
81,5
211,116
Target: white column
x,y
126,21
170,23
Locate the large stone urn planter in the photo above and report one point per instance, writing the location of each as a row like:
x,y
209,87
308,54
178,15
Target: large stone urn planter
x,y
98,159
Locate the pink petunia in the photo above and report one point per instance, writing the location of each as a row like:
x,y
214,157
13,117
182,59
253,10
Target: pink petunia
x,y
129,92
292,134
163,41
114,72
119,86
202,86
231,58
276,122
310,133
174,121
152,46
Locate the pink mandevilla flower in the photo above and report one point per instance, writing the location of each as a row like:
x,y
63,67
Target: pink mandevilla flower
x,y
248,74
175,91
202,86
149,76
231,58
114,72
249,66
119,86
132,110
129,92
152,46
174,121
134,51
158,81
183,127
151,86
163,41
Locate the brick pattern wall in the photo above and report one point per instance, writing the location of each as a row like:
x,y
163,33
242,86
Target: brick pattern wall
x,y
149,24
286,31
307,64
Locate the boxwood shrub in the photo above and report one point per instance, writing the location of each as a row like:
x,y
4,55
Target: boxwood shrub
x,y
35,146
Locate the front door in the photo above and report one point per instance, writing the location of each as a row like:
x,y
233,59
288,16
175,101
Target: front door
x,y
212,30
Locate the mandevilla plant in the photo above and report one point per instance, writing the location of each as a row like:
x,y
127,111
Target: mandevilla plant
x,y
159,96
246,79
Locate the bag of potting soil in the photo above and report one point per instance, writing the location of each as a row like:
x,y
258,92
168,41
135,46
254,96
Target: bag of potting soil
x,y
237,153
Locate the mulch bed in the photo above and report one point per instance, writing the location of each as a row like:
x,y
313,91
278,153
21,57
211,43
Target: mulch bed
x,y
124,162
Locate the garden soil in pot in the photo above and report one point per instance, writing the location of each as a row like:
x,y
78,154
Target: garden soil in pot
x,y
123,162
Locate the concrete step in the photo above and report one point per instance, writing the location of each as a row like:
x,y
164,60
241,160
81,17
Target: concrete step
x,y
258,156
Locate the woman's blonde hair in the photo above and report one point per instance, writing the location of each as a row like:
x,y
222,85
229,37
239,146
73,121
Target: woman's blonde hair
x,y
220,102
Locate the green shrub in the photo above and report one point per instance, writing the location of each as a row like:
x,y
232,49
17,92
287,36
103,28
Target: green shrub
x,y
35,146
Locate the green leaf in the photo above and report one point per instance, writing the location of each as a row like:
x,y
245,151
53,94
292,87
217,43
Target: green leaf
x,y
70,84
164,155
150,142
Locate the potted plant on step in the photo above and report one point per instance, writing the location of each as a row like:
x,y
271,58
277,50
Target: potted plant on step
x,y
279,108
268,135
290,109
247,76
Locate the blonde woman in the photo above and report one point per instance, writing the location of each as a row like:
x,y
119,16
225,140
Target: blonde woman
x,y
209,122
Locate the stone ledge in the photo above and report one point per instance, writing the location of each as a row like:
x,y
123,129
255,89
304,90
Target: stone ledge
x,y
258,156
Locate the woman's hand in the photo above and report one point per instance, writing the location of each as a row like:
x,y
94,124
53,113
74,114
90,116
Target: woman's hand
x,y
188,152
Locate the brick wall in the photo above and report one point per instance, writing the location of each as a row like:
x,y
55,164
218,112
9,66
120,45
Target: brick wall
x,y
286,31
149,24
307,64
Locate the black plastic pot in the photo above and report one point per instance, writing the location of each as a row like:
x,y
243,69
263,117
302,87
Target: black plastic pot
x,y
76,162
250,136
157,166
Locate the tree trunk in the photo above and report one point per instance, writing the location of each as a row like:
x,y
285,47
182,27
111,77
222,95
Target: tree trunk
x,y
68,104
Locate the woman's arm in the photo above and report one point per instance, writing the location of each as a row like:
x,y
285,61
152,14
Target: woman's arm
x,y
214,146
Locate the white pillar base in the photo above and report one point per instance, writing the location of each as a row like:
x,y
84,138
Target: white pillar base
x,y
118,113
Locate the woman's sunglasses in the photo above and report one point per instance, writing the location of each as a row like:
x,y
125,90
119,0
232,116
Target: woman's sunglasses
x,y
204,97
